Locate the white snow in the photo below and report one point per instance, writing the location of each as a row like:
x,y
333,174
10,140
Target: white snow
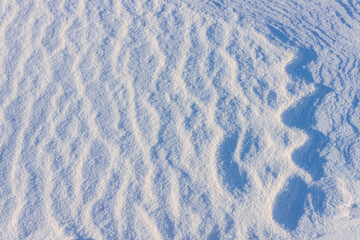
x,y
188,119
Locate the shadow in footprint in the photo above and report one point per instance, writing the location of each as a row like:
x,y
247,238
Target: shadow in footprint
x,y
297,69
318,199
289,203
302,117
233,178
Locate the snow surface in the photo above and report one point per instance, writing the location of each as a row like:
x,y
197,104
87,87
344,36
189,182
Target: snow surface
x,y
188,119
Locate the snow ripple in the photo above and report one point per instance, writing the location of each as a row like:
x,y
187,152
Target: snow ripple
x,y
179,119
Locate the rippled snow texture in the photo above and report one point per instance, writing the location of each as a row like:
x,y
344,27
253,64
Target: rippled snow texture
x,y
179,119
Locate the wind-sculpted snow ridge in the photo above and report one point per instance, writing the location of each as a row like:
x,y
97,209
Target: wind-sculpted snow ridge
x,y
179,119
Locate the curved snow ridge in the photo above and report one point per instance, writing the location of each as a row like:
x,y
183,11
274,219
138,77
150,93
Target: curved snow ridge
x,y
290,202
302,116
329,62
329,149
178,120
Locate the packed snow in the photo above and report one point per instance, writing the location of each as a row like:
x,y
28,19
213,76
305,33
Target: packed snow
x,y
179,119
